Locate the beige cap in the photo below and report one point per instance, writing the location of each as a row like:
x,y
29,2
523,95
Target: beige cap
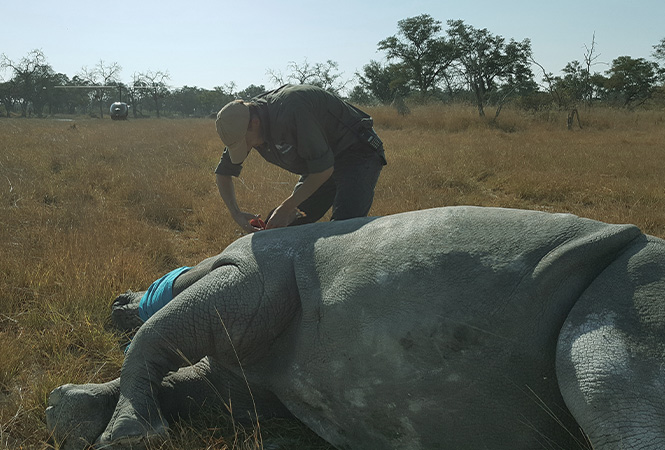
x,y
232,123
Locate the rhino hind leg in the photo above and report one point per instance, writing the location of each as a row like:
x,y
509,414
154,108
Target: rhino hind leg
x,y
125,308
125,312
611,353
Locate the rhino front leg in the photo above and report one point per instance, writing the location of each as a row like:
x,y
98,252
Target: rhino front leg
x,y
78,414
222,315
611,353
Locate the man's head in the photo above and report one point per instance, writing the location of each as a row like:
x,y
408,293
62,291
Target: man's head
x,y
238,129
232,123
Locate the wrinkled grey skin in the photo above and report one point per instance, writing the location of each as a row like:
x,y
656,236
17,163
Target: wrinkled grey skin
x,y
457,327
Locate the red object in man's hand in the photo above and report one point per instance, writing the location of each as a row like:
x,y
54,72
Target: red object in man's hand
x,y
258,223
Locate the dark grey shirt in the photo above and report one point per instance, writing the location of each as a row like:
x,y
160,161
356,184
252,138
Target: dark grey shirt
x,y
305,128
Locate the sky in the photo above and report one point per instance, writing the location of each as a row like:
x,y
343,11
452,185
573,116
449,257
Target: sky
x,y
208,43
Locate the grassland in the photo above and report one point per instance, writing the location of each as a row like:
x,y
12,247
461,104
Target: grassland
x,y
91,208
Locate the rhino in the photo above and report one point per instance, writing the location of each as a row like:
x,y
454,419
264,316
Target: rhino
x,y
456,327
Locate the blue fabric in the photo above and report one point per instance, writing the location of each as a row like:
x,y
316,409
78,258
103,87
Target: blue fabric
x,y
159,294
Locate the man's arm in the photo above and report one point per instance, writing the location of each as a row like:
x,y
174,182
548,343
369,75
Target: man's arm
x,y
285,213
228,193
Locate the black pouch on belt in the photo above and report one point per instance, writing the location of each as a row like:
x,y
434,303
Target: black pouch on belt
x,y
369,136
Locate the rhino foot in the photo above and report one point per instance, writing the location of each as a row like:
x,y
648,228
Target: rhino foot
x,y
129,428
125,311
77,414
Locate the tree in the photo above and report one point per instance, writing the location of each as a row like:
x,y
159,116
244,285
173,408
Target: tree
x,y
7,96
590,58
101,75
360,96
56,99
486,61
385,83
29,81
659,53
155,84
578,85
632,81
574,86
215,100
323,75
251,91
659,50
186,100
420,52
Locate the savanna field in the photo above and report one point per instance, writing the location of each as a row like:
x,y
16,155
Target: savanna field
x,y
91,208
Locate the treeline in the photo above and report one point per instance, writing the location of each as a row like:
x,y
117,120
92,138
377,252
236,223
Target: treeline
x,y
424,63
470,64
37,90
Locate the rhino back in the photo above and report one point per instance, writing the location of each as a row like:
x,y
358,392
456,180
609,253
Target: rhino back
x,y
419,329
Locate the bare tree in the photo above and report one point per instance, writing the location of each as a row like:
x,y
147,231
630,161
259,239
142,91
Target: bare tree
x,y
155,83
30,73
590,59
323,75
552,87
101,75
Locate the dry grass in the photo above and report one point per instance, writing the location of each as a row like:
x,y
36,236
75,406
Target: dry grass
x,y
92,208
612,169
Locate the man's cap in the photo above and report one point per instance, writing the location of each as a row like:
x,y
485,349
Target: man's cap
x,y
232,123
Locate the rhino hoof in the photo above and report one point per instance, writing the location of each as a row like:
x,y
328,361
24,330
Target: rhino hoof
x,y
125,311
133,433
77,414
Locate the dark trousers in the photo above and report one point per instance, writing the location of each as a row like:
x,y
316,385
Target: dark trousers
x,y
350,189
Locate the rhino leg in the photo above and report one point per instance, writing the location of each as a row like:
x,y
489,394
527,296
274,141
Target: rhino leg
x,y
211,317
611,353
77,414
125,308
125,312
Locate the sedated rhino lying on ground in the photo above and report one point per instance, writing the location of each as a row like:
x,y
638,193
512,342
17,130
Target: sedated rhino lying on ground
x,y
459,327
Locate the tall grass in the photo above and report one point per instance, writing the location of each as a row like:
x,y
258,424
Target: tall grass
x,y
91,208
612,169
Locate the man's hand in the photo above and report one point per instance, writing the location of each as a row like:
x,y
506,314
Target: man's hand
x,y
244,218
288,211
282,216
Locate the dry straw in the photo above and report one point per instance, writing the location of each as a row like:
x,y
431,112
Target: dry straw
x,y
92,208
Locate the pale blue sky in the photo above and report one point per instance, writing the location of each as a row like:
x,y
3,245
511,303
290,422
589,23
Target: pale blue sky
x,y
209,43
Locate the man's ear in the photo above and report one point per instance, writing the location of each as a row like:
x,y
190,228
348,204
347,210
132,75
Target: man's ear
x,y
254,123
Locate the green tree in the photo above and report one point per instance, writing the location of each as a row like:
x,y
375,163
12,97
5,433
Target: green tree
x,y
631,82
185,101
74,96
487,62
384,82
574,86
55,99
659,50
659,53
251,91
360,96
215,99
420,52
7,96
